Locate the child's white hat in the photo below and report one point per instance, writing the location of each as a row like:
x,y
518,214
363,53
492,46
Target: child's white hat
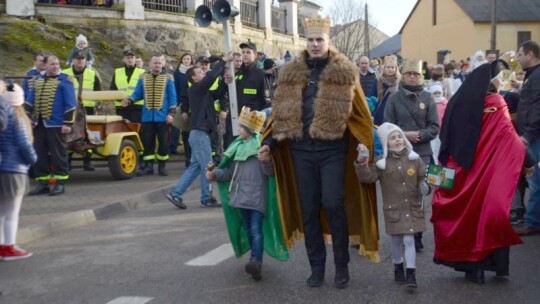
x,y
80,38
384,131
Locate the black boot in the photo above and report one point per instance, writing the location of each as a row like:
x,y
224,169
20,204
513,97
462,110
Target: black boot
x,y
57,189
342,277
148,169
418,245
87,162
316,278
410,281
399,273
41,188
161,169
476,276
254,268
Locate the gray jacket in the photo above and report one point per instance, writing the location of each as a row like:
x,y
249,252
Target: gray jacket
x,y
414,112
249,183
402,207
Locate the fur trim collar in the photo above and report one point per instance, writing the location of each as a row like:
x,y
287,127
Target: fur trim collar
x,y
333,103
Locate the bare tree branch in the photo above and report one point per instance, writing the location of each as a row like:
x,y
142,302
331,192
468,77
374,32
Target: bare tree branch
x,y
348,34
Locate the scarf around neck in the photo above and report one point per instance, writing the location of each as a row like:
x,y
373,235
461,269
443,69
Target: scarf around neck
x,y
183,68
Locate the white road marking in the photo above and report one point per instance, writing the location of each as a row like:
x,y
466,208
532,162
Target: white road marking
x,y
213,257
130,300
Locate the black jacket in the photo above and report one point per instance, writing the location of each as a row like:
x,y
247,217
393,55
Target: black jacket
x,y
250,88
367,82
201,100
529,106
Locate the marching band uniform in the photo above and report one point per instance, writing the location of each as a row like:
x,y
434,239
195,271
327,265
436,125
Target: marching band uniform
x,y
159,95
51,104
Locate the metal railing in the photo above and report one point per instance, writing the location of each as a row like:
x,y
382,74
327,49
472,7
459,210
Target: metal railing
x,y
104,3
172,6
279,20
249,13
209,3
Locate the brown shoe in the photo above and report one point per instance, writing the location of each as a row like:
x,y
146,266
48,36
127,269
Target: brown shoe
x,y
527,230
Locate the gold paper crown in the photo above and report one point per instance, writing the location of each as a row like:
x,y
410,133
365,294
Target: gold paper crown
x,y
253,120
317,25
412,65
390,59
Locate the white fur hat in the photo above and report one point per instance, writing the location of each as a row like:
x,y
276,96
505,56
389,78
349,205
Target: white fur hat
x,y
80,38
14,95
435,87
384,131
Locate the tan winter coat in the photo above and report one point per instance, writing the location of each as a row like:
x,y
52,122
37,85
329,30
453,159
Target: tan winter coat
x,y
402,207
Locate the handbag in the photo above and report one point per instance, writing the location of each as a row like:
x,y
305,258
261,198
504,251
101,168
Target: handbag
x,y
442,177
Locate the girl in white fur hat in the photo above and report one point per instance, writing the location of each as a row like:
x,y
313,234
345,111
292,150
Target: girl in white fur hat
x,y
401,172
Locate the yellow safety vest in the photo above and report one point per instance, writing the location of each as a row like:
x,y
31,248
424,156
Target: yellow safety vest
x,y
89,77
120,79
214,87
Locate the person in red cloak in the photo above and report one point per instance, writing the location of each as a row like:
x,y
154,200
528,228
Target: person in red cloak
x,y
470,221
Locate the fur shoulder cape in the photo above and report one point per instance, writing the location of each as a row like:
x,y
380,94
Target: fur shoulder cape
x,y
333,103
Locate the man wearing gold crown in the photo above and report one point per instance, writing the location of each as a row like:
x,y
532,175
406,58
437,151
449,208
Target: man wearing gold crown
x,y
319,117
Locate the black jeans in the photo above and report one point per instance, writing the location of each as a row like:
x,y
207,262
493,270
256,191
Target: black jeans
x,y
320,177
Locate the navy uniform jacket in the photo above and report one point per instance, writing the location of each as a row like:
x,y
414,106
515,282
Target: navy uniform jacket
x,y
60,109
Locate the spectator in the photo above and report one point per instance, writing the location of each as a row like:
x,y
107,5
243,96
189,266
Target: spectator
x,y
81,45
414,111
17,156
181,84
437,91
386,85
529,127
203,127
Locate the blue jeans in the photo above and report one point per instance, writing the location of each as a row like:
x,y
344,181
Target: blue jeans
x,y
533,207
252,221
201,155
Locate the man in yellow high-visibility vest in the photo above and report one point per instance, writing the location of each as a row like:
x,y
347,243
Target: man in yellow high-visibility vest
x,y
125,79
90,82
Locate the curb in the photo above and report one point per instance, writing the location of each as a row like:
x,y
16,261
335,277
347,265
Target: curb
x,y
84,217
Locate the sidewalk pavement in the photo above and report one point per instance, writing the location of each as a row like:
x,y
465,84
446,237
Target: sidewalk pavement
x,y
92,196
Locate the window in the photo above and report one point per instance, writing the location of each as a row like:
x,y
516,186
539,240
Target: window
x,y
522,37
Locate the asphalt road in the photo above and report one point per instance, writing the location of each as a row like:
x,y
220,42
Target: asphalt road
x,y
143,256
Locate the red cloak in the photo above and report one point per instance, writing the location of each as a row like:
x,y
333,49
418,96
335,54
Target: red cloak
x,y
471,220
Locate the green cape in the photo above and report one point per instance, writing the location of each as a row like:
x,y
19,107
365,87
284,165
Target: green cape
x,y
274,243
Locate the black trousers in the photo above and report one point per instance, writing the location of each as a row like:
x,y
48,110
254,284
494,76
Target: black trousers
x,y
50,142
175,138
149,132
187,147
320,176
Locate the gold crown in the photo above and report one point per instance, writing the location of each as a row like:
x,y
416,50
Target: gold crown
x,y
390,59
253,120
317,25
412,65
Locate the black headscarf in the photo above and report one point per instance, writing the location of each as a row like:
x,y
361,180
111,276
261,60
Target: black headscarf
x,y
462,120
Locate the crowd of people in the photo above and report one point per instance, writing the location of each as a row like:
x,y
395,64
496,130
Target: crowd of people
x,y
316,131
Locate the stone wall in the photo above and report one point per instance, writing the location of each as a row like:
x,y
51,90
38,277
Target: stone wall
x,y
169,33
